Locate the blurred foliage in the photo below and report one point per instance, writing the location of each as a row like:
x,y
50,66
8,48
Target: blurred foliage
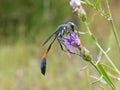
x,y
28,18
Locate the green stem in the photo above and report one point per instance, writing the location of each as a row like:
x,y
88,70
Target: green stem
x,y
98,45
95,66
108,58
112,24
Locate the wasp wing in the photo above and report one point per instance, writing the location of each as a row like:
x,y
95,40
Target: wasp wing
x,y
51,35
48,38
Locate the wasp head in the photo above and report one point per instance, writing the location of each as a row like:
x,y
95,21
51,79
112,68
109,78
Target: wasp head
x,y
71,26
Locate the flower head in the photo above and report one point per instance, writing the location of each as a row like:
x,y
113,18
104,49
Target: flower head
x,y
77,7
75,3
72,42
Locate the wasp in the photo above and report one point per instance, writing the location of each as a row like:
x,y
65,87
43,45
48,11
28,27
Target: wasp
x,y
59,33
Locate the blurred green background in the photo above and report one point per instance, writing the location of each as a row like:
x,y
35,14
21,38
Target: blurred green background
x,y
25,24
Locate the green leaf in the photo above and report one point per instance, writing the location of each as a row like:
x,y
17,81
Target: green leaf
x,y
105,76
102,88
90,2
82,32
109,68
87,1
98,3
93,36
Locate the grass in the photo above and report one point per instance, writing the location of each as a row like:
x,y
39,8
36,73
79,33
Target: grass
x,y
20,70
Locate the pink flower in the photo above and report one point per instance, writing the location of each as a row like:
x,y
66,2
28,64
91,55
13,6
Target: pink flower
x,y
75,3
72,42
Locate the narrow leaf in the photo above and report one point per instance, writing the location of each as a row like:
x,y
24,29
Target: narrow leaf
x,y
89,2
98,3
106,77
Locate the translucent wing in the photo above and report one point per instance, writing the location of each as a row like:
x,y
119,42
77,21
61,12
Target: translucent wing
x,y
48,38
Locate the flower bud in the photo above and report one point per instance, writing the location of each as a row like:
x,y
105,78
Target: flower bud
x,y
82,14
85,54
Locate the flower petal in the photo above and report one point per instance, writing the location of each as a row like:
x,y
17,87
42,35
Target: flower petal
x,y
74,3
72,42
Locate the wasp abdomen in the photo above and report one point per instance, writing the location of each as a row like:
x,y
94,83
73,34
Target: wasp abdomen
x,y
43,66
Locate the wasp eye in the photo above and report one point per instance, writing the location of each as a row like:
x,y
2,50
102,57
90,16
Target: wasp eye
x,y
71,25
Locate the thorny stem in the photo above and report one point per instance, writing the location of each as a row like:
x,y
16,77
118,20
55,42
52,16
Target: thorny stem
x,y
98,45
112,24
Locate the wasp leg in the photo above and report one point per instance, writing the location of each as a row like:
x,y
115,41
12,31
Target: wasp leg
x,y
61,46
67,50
